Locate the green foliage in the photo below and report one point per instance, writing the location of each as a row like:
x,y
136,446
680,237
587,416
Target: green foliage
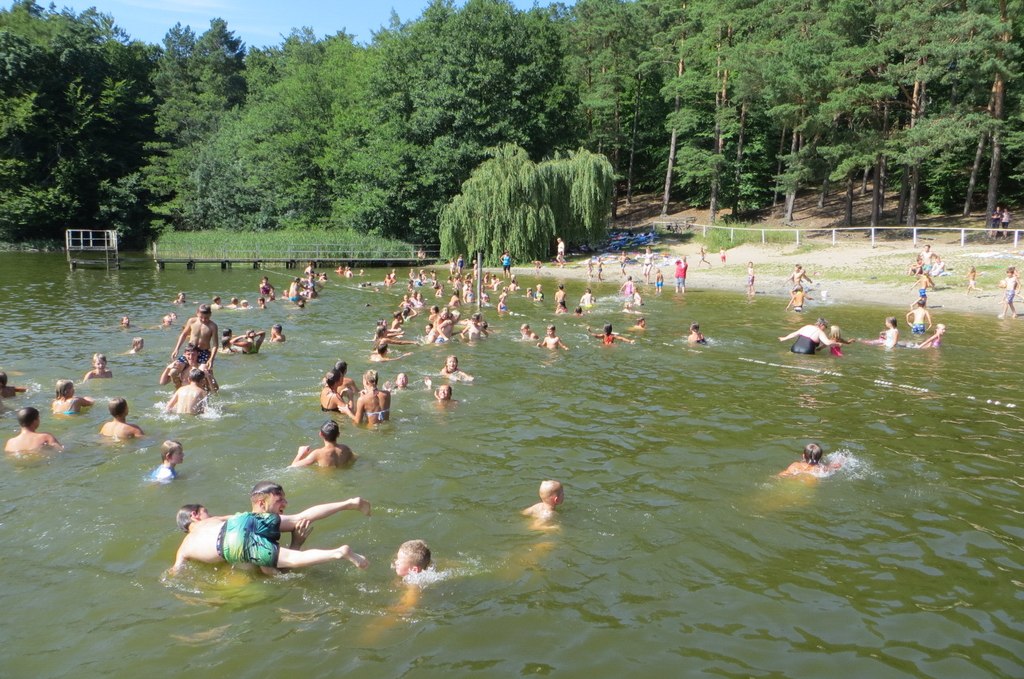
x,y
217,242
510,203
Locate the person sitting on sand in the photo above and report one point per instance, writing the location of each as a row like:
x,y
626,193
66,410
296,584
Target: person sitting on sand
x,y
330,454
252,537
118,428
28,439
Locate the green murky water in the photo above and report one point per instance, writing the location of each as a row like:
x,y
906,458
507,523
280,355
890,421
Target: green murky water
x,y
679,553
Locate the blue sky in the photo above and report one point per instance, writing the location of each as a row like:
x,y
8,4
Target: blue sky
x,y
258,22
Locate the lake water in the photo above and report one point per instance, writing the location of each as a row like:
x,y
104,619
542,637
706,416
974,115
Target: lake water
x,y
678,551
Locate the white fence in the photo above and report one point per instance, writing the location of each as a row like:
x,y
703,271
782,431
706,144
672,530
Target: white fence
x,y
798,234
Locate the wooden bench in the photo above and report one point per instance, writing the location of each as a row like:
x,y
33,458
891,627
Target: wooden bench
x,y
684,225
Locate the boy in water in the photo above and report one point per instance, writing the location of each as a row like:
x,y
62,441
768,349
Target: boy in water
x,y
811,464
117,428
277,333
413,557
526,333
330,454
8,392
551,495
552,341
190,399
28,439
252,537
171,455
918,318
99,368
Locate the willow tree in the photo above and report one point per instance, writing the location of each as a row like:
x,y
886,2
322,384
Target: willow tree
x,y
510,203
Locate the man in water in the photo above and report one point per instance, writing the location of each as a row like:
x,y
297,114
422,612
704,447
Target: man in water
x,y
253,537
202,332
29,439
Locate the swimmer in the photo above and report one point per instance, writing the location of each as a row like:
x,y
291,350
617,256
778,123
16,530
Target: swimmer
x,y
171,455
918,318
180,299
137,345
250,342
608,337
809,338
330,398
413,557
452,372
372,405
551,340
28,439
811,464
118,428
526,333
277,333
99,369
889,337
168,320
587,300
330,454
8,391
380,354
835,334
215,303
641,324
443,394
551,496
189,399
696,336
261,303
578,312
252,537
189,361
126,322
935,341
401,382
65,402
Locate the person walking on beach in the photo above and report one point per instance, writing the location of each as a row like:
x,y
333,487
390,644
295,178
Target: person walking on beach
x,y
560,257
703,257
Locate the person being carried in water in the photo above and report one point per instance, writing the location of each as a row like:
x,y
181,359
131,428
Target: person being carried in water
x,y
252,537
811,463
330,454
118,428
28,439
190,399
696,336
809,338
608,337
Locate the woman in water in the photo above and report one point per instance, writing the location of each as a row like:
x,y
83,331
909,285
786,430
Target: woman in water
x,y
373,405
809,338
330,400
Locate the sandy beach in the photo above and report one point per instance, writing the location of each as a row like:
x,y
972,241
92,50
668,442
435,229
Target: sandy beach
x,y
847,273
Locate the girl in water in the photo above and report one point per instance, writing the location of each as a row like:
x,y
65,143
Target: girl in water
x,y
65,402
835,334
99,368
889,337
452,372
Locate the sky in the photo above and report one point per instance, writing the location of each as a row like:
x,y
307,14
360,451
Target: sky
x,y
259,23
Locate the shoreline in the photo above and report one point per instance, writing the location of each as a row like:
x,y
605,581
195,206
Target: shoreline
x,y
836,270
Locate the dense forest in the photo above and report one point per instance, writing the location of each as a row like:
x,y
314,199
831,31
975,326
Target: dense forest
x,y
468,112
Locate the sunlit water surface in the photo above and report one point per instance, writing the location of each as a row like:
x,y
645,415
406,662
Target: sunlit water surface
x,y
677,552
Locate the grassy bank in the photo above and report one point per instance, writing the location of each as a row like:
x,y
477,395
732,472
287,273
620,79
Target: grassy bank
x,y
278,244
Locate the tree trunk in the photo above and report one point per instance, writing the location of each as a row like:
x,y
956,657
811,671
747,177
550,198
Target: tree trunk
x,y
632,139
998,95
979,152
864,180
913,172
716,170
877,193
739,159
671,154
791,191
848,217
778,168
824,194
901,203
